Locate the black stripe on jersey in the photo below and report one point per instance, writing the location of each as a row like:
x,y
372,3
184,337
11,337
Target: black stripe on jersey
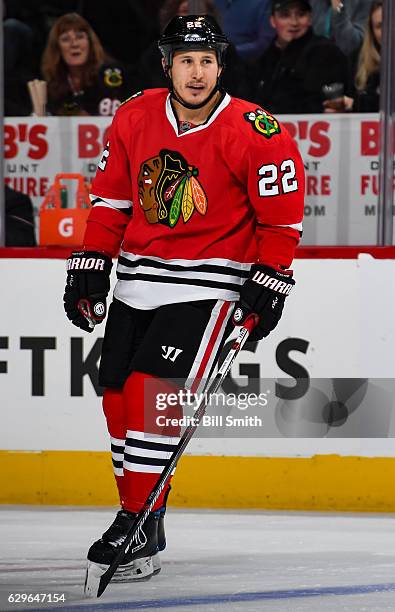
x,y
117,464
144,460
158,446
117,449
126,211
229,271
175,280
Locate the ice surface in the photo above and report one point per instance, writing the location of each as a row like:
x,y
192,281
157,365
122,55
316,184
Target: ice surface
x,y
214,561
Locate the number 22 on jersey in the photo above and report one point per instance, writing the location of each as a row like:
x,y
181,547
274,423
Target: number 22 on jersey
x,y
269,185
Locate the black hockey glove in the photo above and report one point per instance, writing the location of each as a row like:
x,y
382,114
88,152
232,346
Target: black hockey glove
x,y
87,286
264,293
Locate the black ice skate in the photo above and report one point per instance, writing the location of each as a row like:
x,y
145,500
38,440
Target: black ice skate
x,y
138,560
137,570
132,571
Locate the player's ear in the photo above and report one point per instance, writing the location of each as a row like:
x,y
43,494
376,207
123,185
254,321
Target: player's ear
x,y
164,65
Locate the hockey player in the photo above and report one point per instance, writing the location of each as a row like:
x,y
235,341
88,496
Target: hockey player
x,y
203,195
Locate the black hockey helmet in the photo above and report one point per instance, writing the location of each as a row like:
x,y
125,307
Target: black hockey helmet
x,y
193,33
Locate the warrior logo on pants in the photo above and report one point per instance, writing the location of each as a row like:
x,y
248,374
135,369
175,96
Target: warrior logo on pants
x,y
169,189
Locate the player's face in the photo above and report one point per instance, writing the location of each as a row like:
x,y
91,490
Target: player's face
x,y
194,74
376,20
290,23
74,47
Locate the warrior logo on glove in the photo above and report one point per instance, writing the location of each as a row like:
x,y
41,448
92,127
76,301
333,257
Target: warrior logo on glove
x,y
264,294
87,286
273,282
79,262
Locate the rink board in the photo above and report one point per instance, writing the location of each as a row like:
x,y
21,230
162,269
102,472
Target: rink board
x,y
54,447
340,153
322,482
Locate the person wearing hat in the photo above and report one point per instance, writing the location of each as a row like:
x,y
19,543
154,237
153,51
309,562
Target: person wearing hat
x,y
204,195
299,66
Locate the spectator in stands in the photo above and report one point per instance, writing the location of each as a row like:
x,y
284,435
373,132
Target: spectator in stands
x,y
293,72
31,15
19,219
342,21
18,65
79,79
247,25
149,71
364,95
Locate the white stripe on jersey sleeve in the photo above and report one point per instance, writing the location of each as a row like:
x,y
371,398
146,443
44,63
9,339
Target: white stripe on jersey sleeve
x,y
295,226
110,203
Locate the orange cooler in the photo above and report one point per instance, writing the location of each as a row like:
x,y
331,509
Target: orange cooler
x,y
59,225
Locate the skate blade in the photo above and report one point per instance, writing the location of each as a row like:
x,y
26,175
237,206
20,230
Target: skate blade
x,y
137,570
156,564
94,572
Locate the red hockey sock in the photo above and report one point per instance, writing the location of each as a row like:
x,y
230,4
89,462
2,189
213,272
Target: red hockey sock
x,y
116,424
148,443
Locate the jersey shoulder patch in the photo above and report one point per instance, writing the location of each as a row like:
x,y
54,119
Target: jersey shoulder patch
x,y
263,122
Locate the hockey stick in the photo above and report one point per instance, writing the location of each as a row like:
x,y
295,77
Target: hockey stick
x,y
92,584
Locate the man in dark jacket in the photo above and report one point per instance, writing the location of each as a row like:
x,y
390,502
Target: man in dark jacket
x,y
299,69
19,219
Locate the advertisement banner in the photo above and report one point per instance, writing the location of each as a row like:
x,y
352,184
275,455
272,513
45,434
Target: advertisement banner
x,y
333,347
340,153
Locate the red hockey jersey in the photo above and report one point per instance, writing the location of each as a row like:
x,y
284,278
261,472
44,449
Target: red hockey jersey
x,y
193,211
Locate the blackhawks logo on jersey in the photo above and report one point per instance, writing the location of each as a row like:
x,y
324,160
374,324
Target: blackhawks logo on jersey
x,y
169,189
263,122
113,77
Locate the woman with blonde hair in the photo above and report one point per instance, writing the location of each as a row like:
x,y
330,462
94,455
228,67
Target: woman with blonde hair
x,y
365,89
78,79
367,78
